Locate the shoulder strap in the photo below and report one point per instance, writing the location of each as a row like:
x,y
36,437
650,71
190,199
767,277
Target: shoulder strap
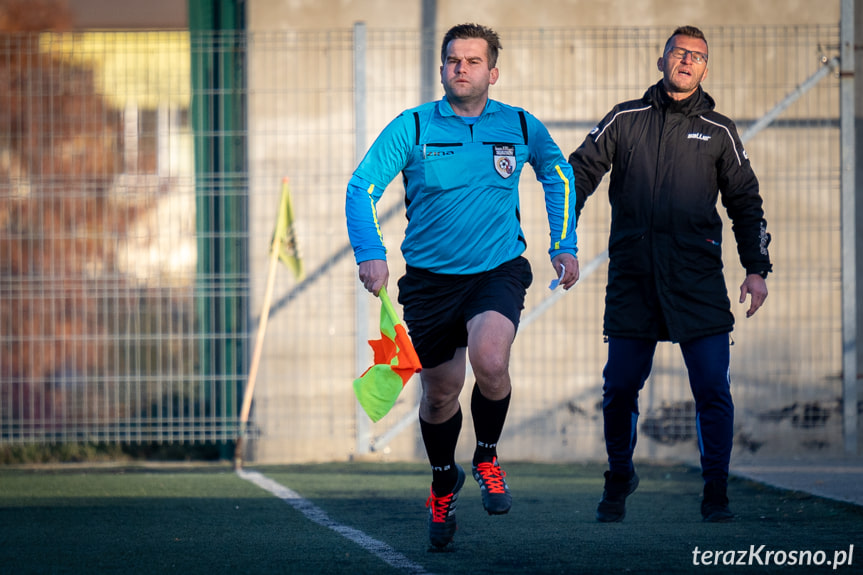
x,y
523,125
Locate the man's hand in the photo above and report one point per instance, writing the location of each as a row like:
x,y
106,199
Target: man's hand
x,y
374,274
570,276
755,286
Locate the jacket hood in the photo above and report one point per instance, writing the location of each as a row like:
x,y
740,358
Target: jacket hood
x,y
698,103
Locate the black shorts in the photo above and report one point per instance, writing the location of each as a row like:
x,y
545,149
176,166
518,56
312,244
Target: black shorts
x,y
437,307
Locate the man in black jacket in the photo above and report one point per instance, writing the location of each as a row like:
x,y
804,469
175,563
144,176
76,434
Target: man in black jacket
x,y
670,157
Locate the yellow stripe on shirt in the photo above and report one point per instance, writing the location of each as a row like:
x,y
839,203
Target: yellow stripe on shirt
x,y
565,207
375,214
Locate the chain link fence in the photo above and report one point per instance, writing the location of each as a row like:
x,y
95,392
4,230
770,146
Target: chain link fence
x,y
140,176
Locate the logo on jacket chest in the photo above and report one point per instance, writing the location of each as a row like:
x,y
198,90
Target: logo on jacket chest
x,y
698,136
504,159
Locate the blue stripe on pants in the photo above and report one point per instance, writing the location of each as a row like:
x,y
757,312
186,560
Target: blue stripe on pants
x,y
707,360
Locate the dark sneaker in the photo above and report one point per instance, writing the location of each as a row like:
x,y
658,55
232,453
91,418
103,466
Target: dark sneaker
x,y
714,506
492,486
612,506
442,524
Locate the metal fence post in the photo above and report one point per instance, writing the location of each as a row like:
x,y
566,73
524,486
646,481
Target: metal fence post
x,y
362,306
428,55
849,274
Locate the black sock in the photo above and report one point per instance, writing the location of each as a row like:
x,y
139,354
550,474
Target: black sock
x,y
488,419
440,440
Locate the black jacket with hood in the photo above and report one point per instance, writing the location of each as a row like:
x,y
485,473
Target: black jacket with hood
x,y
670,162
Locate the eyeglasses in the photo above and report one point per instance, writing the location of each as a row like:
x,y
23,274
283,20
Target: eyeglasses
x,y
680,54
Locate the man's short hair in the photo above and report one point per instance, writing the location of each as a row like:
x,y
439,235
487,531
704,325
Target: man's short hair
x,y
465,31
690,31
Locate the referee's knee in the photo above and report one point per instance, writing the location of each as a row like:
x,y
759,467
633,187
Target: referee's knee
x,y
438,400
489,371
494,388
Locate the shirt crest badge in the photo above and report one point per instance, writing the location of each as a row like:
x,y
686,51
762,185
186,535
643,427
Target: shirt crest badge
x,y
504,159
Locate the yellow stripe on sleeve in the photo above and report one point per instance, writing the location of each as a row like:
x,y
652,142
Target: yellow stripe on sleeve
x,y
375,214
565,207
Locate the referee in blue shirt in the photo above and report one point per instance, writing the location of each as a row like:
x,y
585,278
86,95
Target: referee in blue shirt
x,y
461,158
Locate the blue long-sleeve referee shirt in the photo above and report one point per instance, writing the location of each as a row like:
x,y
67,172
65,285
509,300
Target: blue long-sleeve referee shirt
x,y
461,187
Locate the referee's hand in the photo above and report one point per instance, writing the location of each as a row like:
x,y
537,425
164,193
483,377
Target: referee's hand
x,y
570,265
374,274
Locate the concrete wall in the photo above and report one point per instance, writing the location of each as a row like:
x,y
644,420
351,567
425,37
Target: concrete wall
x,y
301,111
330,14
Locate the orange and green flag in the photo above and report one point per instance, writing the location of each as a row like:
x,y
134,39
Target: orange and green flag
x,y
395,363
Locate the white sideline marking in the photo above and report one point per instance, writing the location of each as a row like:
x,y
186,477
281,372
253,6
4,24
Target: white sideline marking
x,y
319,516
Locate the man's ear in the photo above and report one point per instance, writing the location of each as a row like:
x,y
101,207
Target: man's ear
x,y
494,74
659,64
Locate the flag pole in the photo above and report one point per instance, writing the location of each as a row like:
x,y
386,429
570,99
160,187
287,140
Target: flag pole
x,y
388,305
259,342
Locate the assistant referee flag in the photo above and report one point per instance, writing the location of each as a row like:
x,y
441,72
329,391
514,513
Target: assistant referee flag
x,y
395,362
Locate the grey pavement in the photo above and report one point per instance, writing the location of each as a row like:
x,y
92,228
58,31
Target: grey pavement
x,y
840,479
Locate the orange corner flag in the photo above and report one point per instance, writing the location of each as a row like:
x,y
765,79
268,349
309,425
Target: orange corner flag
x,y
395,362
